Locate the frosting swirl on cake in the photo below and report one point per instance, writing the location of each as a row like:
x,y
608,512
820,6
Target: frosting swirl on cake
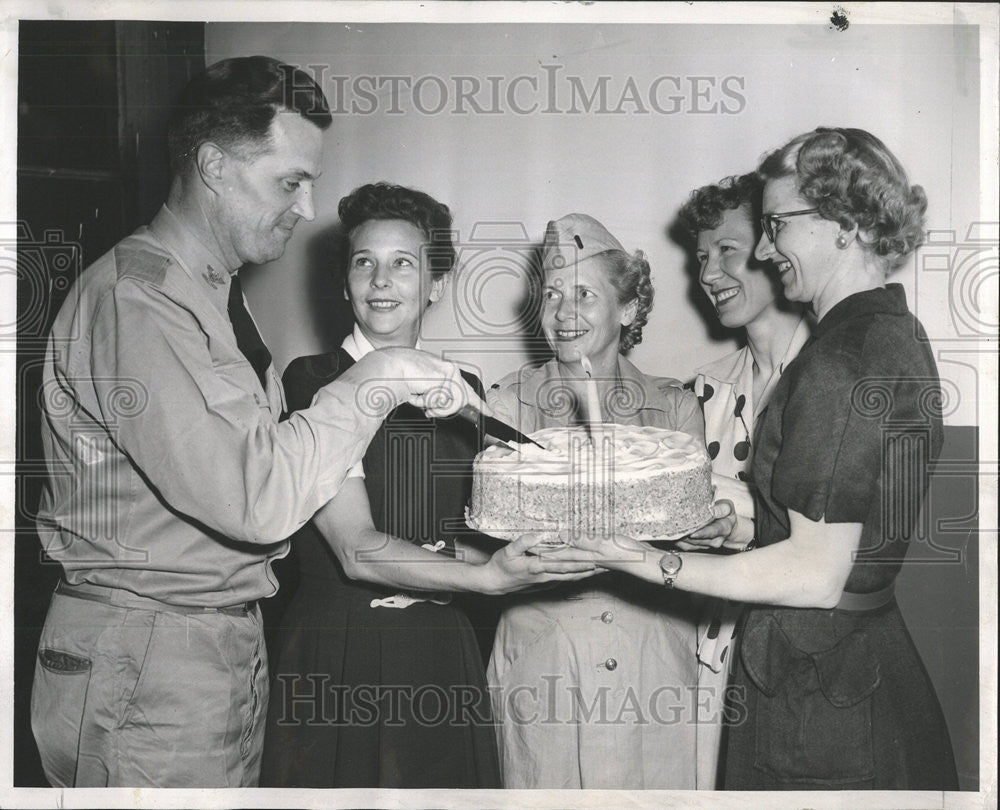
x,y
643,482
623,448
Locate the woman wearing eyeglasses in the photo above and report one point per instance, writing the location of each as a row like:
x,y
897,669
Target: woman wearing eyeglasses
x,y
723,222
831,690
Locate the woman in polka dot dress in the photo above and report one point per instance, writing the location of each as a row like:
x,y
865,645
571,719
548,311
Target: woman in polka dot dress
x,y
723,222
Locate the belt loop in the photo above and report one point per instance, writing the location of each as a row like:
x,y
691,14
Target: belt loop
x,y
119,597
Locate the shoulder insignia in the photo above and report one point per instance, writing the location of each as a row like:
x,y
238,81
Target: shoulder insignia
x,y
140,263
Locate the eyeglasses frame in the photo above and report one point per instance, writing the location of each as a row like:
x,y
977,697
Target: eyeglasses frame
x,y
768,226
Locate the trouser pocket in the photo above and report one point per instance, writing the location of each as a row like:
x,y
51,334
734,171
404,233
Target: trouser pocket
x,y
58,698
251,722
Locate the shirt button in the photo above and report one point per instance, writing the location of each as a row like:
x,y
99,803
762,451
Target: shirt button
x,y
607,617
611,664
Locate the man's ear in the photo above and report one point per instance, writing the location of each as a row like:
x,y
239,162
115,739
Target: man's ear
x,y
211,162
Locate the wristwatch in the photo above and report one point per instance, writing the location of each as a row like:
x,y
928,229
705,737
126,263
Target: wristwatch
x,y
670,567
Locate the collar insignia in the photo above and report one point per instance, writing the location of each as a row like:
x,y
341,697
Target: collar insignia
x,y
214,277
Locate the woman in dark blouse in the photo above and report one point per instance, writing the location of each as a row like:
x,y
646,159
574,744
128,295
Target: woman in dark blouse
x,y
832,692
378,679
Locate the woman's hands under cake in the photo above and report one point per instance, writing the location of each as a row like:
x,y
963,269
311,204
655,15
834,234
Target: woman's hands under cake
x,y
608,551
519,566
714,533
728,529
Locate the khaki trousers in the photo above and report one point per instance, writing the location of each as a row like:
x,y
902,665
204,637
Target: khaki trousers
x,y
129,696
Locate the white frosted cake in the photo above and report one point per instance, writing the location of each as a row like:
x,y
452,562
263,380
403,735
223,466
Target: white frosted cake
x,y
643,482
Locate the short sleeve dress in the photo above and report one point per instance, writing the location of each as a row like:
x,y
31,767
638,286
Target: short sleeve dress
x,y
593,682
369,689
725,391
839,698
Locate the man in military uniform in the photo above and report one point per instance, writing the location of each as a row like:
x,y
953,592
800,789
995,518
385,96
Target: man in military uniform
x,y
172,483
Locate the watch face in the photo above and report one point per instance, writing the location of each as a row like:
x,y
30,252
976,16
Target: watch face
x,y
670,563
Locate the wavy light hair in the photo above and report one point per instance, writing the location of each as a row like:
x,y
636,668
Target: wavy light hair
x,y
629,273
853,179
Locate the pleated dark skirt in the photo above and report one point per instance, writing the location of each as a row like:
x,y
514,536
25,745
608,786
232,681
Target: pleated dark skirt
x,y
377,697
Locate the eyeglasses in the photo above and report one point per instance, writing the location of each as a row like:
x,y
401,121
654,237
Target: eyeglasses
x,y
768,221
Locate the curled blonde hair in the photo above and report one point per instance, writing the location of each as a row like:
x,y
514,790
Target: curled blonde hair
x,y
853,179
630,275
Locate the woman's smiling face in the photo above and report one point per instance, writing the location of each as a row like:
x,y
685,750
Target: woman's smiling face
x,y
738,291
388,283
581,315
804,248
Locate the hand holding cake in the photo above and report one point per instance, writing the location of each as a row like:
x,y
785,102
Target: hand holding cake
x,y
723,526
523,565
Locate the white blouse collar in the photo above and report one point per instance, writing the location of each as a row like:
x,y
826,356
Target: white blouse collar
x,y
357,345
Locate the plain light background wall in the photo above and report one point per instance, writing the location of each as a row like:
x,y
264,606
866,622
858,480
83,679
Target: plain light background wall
x,y
734,93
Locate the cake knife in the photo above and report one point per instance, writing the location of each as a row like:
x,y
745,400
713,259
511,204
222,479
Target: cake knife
x,y
495,427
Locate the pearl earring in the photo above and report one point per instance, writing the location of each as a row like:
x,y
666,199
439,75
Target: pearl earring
x,y
842,241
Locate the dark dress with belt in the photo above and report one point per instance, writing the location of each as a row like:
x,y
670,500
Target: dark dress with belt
x,y
367,696
839,698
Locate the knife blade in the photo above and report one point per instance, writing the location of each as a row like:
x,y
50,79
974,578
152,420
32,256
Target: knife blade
x,y
496,428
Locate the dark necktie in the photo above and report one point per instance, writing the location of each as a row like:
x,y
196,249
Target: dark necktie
x,y
247,337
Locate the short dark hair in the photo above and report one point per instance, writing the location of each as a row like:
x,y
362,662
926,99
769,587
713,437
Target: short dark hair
x,y
705,207
853,179
233,103
387,201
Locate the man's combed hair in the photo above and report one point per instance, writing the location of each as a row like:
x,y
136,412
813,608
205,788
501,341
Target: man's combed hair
x,y
853,179
387,201
233,103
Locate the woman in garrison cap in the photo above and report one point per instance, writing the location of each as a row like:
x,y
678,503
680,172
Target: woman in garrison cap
x,y
593,681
